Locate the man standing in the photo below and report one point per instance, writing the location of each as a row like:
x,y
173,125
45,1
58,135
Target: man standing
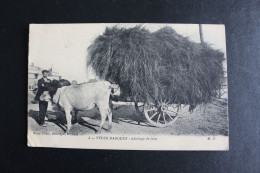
x,y
43,105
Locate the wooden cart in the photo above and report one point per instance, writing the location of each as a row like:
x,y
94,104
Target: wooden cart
x,y
159,113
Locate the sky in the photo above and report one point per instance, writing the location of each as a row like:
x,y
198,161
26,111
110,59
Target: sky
x,y
64,46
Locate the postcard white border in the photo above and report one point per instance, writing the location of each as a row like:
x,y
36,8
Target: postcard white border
x,y
129,142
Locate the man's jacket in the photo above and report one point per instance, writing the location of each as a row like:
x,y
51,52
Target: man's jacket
x,y
42,86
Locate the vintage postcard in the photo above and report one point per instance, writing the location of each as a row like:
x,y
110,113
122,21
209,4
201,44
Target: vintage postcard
x,y
128,86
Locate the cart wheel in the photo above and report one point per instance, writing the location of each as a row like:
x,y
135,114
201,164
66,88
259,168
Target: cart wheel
x,y
161,114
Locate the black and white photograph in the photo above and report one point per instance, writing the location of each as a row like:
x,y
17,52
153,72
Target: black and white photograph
x,y
128,86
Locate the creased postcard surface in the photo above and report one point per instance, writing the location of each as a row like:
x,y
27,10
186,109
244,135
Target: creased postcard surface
x,y
128,86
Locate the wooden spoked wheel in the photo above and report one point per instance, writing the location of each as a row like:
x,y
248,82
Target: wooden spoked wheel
x,y
161,114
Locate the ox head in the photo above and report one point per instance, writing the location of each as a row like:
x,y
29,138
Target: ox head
x,y
52,89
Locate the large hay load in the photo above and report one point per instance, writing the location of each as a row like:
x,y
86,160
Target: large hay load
x,y
162,65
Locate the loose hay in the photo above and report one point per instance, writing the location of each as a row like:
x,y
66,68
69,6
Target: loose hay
x,y
160,65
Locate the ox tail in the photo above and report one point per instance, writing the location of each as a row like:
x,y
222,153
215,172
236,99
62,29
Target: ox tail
x,y
110,102
114,98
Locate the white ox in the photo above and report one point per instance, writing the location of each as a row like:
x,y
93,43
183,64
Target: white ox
x,y
83,97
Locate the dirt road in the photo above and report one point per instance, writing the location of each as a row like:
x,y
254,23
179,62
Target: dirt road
x,y
205,120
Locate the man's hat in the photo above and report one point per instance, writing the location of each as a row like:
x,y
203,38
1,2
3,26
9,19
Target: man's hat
x,y
45,71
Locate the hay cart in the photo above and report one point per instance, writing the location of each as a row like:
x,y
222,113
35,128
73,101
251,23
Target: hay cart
x,y
158,71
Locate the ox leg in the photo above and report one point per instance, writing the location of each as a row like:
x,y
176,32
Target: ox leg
x,y
68,118
109,120
75,118
103,119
